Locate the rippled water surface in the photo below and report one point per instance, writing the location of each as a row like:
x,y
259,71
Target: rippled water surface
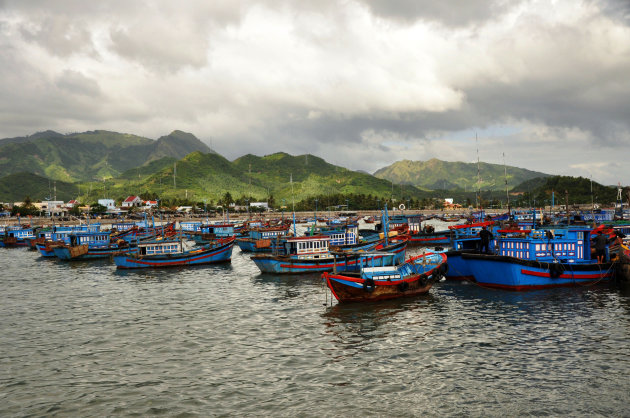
x,y
83,339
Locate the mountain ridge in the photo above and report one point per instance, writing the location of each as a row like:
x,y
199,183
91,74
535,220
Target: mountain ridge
x,y
90,155
452,175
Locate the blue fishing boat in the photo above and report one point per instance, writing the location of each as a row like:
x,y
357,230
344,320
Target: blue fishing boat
x,y
419,234
347,237
50,238
373,282
205,233
90,245
16,236
262,239
312,254
59,233
465,239
170,253
536,259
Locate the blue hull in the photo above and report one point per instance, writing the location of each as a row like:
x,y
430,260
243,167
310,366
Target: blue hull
x,y
249,246
457,267
204,255
18,243
429,239
45,251
515,274
63,253
294,265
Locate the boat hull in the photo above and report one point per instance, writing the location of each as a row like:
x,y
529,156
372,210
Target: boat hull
x,y
47,249
429,239
511,273
64,253
218,254
457,267
347,289
358,288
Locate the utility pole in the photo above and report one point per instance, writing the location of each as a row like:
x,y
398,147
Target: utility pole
x,y
566,202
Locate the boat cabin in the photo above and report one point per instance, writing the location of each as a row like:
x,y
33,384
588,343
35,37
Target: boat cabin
x,y
91,238
308,247
566,245
160,247
19,233
268,233
219,230
192,226
466,236
339,235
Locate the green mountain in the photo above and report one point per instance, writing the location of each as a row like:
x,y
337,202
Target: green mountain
x,y
90,155
15,187
313,176
444,175
577,189
209,177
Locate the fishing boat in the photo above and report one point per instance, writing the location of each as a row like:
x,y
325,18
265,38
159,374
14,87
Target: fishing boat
x,y
171,253
16,236
419,234
262,239
57,234
205,233
465,239
537,259
312,254
90,245
372,283
49,238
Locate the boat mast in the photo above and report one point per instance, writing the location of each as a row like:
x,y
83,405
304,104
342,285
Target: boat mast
x,y
619,208
507,195
478,196
592,201
293,198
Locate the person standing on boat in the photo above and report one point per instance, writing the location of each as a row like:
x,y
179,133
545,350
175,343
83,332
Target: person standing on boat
x,y
485,237
600,242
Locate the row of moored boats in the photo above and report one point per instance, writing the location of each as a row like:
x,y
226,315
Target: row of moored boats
x,y
358,264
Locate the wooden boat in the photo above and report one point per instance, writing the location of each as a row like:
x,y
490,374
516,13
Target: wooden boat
x,y
536,259
205,233
312,254
372,283
262,239
16,236
419,235
465,239
48,238
90,245
170,253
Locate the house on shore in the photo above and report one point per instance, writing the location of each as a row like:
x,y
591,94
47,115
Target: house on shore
x,y
132,202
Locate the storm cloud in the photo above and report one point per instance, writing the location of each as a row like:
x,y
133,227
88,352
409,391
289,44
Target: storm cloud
x,y
360,83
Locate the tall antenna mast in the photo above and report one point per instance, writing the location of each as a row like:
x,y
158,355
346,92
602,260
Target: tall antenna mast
x,y
592,200
478,196
507,195
293,198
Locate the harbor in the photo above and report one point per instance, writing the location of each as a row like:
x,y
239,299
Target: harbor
x,y
87,338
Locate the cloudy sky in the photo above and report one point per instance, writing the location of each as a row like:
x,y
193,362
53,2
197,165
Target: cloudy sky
x,y
360,83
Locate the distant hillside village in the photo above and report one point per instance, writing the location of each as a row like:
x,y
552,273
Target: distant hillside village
x,y
109,207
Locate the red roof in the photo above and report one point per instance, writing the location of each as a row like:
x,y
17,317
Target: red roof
x,y
131,199
72,202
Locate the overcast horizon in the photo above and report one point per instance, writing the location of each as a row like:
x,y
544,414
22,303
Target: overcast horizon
x,y
361,84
